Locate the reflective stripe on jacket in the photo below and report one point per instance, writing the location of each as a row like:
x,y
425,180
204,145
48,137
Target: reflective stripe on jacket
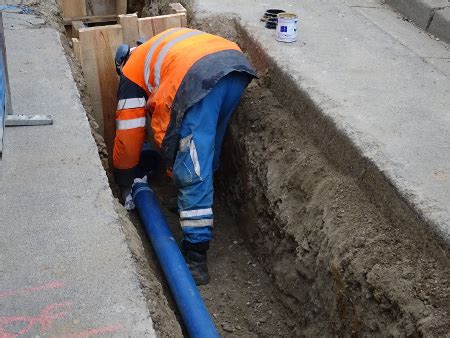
x,y
130,131
175,69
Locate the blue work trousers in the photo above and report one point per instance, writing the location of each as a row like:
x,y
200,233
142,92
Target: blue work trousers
x,y
201,135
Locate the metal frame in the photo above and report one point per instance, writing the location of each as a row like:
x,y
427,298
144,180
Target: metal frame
x,y
5,102
7,119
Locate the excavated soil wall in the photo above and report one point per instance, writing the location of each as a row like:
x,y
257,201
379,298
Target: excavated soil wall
x,y
349,256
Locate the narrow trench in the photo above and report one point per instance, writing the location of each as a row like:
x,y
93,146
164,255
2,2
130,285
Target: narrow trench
x,y
240,297
298,247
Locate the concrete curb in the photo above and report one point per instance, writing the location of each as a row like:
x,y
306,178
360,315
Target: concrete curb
x,y
430,15
440,26
378,141
66,266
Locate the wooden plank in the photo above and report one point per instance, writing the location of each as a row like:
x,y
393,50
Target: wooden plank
x,y
73,8
130,28
91,19
121,7
184,20
77,49
103,7
177,8
76,26
149,27
89,7
89,66
98,46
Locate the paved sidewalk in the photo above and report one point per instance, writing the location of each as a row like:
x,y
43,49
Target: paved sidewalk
x,y
65,266
380,81
431,15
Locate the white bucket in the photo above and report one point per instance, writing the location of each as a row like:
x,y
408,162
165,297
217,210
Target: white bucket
x,y
287,27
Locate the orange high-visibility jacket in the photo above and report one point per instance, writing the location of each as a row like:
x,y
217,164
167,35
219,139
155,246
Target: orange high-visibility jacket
x,y
170,73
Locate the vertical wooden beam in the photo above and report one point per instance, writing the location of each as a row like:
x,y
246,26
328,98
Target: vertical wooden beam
x,y
89,7
98,45
121,7
130,28
149,27
102,7
77,49
177,8
73,8
76,26
89,66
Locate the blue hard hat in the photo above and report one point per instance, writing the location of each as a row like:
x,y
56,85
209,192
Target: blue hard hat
x,y
140,41
122,54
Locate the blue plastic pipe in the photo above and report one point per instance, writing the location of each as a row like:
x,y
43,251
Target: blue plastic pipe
x,y
195,316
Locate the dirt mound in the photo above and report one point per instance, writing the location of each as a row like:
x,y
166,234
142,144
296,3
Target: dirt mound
x,y
342,265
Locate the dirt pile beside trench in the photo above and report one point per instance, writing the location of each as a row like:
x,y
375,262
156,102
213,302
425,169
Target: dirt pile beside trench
x,y
343,264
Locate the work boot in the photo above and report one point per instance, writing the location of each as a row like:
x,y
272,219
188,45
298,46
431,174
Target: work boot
x,y
196,260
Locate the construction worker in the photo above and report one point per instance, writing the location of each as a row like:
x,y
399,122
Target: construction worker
x,y
185,84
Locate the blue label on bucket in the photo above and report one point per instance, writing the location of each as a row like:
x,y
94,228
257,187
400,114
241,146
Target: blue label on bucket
x,y
283,29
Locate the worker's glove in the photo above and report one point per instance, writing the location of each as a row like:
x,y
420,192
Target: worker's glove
x,y
128,198
129,203
150,160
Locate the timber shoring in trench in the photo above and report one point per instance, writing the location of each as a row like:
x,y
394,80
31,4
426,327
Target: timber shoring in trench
x,y
95,48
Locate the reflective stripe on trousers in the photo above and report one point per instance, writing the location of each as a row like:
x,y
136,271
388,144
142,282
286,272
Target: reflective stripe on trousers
x,y
202,131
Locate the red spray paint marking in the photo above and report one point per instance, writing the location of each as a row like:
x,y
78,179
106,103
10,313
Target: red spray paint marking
x,y
46,317
24,291
44,320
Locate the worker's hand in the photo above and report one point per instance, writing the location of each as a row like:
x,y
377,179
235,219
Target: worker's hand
x,y
149,162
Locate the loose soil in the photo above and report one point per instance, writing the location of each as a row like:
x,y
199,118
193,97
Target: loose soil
x,y
240,295
344,268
